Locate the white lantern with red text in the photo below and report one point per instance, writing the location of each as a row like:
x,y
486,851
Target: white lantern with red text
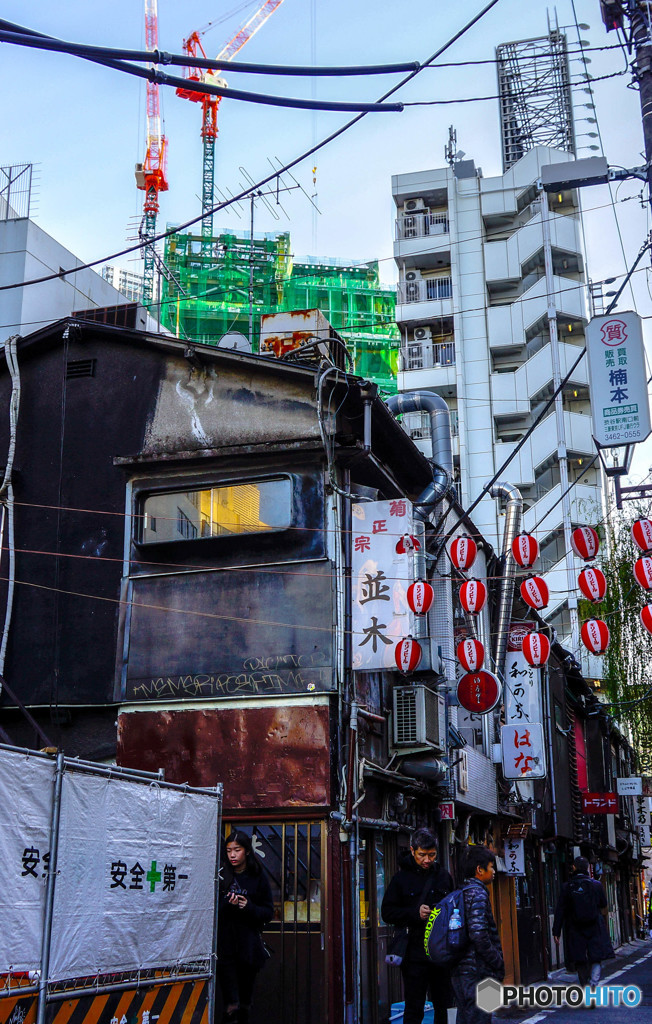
x,y
595,636
420,596
643,572
406,544
534,591
536,649
646,617
593,584
642,534
525,549
473,596
470,654
462,552
408,654
585,542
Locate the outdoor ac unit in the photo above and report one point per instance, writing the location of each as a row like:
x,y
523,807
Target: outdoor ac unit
x,y
412,205
413,275
419,718
422,334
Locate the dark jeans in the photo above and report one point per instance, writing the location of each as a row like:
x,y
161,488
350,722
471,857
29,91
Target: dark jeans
x,y
467,1011
237,983
421,979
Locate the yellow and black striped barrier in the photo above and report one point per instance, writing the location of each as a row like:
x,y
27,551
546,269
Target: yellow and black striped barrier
x,y
181,1002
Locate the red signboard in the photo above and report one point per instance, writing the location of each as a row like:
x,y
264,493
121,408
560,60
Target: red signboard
x,y
599,803
478,692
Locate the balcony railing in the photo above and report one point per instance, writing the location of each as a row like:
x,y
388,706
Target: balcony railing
x,y
417,425
433,288
416,225
425,355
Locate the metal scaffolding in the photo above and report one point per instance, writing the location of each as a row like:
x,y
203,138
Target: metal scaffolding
x,y
535,96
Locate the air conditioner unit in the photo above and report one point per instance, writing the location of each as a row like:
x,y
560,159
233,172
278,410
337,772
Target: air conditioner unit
x,y
422,334
418,719
413,205
413,275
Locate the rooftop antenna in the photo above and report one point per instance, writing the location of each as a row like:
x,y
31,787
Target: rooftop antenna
x,y
451,149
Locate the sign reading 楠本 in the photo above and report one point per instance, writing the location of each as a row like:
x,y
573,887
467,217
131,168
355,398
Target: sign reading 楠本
x,y
620,408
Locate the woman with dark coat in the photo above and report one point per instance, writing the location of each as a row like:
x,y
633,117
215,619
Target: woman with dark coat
x,y
586,940
414,890
245,906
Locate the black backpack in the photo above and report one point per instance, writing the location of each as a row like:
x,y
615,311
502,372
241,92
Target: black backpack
x,y
443,946
583,902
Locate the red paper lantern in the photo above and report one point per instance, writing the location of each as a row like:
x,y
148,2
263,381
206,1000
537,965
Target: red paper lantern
x,y
593,584
536,649
525,549
420,596
478,692
595,636
408,654
585,542
473,596
642,534
462,552
407,543
646,617
470,654
534,591
643,572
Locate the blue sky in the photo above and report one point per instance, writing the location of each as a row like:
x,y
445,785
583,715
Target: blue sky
x,y
84,126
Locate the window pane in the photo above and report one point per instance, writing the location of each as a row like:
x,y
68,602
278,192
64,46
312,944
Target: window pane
x,y
225,511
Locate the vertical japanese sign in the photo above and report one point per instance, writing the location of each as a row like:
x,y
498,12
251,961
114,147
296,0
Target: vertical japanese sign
x,y
620,407
383,556
523,751
26,795
522,690
642,816
514,857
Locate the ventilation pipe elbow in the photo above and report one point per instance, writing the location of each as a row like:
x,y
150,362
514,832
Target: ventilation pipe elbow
x,y
442,445
514,515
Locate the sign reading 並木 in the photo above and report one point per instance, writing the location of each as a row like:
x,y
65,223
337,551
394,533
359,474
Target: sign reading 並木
x,y
620,408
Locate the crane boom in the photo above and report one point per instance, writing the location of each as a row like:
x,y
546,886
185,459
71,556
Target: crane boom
x,y
249,29
150,175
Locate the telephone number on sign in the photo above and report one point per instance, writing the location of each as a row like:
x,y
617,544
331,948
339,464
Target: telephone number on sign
x,y
622,434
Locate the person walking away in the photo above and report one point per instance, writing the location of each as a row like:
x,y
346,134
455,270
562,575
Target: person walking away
x,y
245,906
417,886
483,957
580,909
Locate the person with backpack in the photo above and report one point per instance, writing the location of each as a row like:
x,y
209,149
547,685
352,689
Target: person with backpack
x,y
416,887
483,955
580,910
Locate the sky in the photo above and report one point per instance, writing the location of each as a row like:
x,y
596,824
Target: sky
x,y
83,126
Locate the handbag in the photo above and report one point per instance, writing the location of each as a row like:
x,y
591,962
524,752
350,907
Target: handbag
x,y
398,946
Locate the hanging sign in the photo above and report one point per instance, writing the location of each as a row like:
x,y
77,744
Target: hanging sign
x,y
642,818
514,857
523,751
479,692
447,811
517,630
381,577
599,803
629,786
522,690
620,408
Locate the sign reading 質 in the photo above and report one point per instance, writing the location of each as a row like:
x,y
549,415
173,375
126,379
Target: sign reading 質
x,y
514,857
620,408
523,751
599,803
383,568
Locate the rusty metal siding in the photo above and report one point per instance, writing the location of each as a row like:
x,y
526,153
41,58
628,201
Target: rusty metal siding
x,y
268,755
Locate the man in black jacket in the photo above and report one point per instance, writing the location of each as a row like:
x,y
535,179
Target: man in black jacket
x,y
580,908
414,890
483,957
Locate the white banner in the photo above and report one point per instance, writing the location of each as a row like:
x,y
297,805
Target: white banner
x,y
522,690
26,794
514,857
642,816
381,576
629,786
135,886
523,751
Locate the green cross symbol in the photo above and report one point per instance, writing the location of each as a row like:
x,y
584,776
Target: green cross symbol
x,y
153,876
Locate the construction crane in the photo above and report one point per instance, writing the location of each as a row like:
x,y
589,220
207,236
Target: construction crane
x,y
193,47
150,175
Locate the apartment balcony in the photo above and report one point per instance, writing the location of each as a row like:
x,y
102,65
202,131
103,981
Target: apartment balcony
x,y
507,324
427,364
511,392
546,512
542,445
424,299
417,426
505,259
423,240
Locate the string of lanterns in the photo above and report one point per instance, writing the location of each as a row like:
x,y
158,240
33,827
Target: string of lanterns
x,y
642,537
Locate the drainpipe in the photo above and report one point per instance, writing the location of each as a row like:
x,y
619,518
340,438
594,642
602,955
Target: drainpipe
x,y
514,514
442,445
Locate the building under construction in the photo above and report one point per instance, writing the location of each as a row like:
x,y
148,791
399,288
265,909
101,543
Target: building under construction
x,y
218,298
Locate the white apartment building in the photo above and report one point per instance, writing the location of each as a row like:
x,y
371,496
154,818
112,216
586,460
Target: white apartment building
x,y
487,278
